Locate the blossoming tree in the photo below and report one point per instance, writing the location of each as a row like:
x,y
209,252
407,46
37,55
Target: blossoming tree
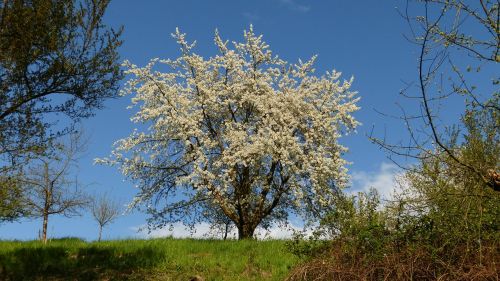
x,y
244,130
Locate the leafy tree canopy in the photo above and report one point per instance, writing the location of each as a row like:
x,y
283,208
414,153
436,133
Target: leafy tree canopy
x,y
56,56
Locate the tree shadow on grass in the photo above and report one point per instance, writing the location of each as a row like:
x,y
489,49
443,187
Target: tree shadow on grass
x,y
87,263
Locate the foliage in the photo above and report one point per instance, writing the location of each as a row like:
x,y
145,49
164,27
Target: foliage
x,y
153,259
453,205
354,221
56,57
443,224
307,246
244,130
428,233
11,199
357,223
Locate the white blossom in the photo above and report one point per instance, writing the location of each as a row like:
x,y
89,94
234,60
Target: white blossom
x,y
243,128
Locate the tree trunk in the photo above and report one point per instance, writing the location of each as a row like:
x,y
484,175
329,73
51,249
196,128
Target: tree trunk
x,y
47,203
226,231
100,232
44,227
245,231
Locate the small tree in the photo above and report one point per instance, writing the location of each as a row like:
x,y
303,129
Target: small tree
x,y
49,189
104,211
245,130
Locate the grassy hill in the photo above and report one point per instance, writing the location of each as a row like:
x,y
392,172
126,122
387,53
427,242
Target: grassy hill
x,y
154,259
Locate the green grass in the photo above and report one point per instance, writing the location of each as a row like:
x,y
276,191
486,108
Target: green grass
x,y
154,259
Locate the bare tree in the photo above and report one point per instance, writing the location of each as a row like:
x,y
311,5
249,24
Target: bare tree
x,y
458,45
50,188
104,211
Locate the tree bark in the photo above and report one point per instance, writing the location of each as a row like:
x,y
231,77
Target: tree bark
x,y
245,231
44,227
100,232
226,231
47,203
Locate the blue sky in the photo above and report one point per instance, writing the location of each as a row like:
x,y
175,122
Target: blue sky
x,y
359,38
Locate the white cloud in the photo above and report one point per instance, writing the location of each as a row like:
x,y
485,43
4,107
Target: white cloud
x,y
177,230
292,5
202,230
383,180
